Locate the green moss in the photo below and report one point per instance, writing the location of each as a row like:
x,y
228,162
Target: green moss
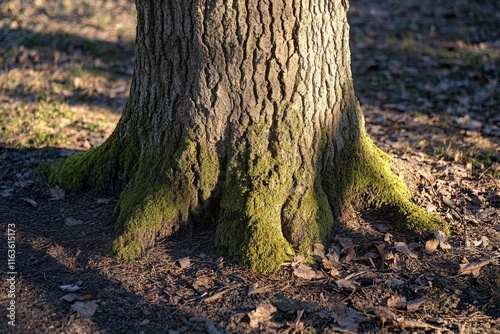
x,y
363,169
168,197
157,193
269,192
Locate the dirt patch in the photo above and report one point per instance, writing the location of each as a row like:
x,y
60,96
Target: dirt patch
x,y
426,76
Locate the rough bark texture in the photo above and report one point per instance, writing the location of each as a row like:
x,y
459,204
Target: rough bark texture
x,y
243,111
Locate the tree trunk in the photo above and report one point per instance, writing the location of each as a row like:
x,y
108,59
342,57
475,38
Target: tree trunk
x,y
243,113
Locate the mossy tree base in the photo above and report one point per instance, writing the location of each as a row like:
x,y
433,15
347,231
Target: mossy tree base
x,y
273,200
245,116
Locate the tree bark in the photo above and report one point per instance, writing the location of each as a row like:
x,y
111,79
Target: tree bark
x,y
242,112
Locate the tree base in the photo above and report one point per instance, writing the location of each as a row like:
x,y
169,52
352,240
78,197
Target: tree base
x,y
272,200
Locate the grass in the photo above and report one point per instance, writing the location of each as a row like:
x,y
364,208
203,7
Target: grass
x,y
64,70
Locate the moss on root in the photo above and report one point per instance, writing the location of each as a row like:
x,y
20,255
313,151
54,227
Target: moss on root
x,y
258,204
365,170
275,199
157,193
97,167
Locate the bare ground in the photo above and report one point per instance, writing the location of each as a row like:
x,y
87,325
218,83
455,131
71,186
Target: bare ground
x,y
427,77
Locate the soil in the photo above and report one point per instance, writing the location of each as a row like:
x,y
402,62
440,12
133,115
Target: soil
x,y
426,76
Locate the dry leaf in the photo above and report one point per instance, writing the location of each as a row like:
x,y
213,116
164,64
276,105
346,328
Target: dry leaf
x,y
388,238
319,249
306,272
403,248
473,267
350,254
285,304
57,193
72,221
384,255
70,287
185,262
385,314
344,242
347,284
201,283
253,288
262,314
71,297
84,309
398,265
333,254
442,240
397,302
483,242
431,246
334,272
347,318
413,305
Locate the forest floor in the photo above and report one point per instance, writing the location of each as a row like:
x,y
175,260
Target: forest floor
x,y
427,76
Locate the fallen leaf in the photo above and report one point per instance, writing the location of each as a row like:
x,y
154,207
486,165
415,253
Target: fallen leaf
x,y
388,238
384,255
344,242
398,265
285,304
69,221
253,288
347,284
262,314
473,267
347,318
57,193
397,302
201,283
306,272
184,262
349,255
483,242
70,287
384,314
7,192
431,245
402,247
84,309
442,240
71,297
319,249
382,227
333,254
394,282
327,264
414,305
